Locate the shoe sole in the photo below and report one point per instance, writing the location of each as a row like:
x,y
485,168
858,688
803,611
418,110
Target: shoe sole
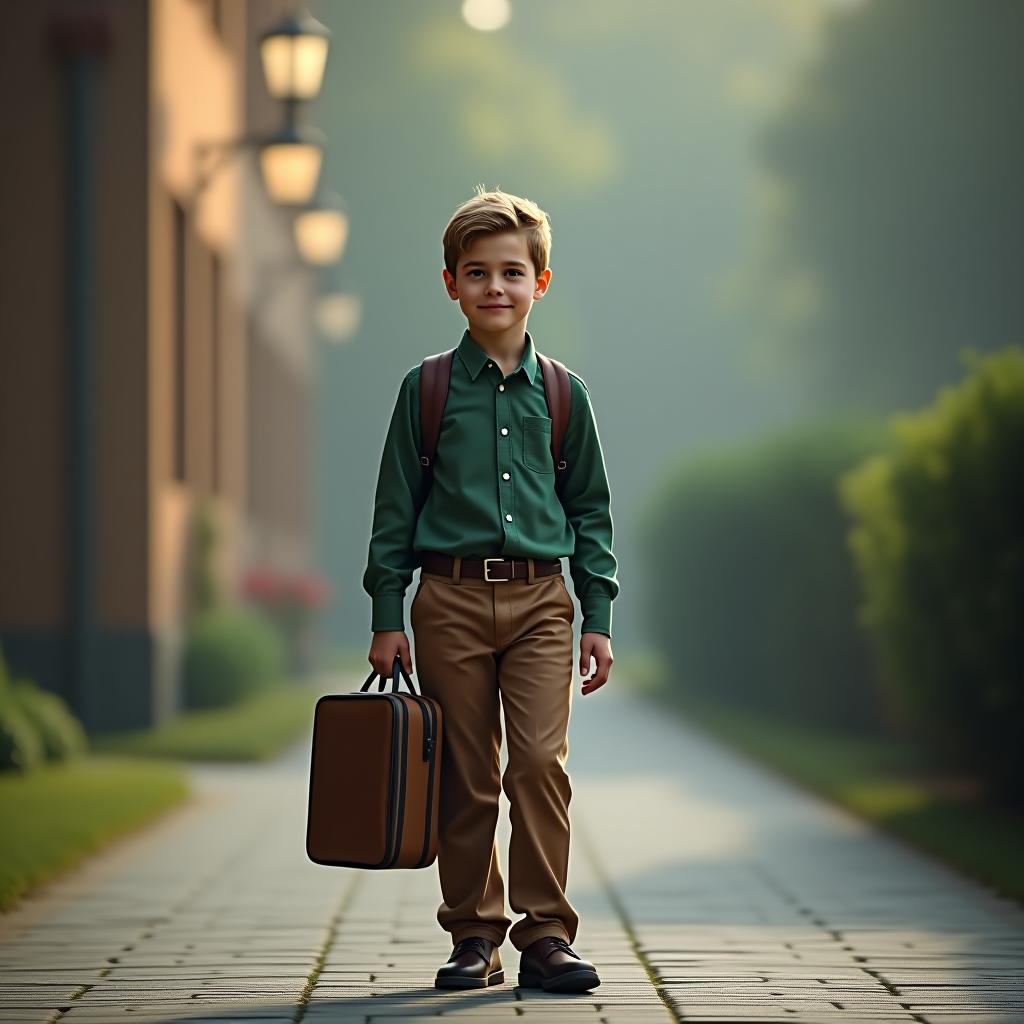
x,y
492,979
573,981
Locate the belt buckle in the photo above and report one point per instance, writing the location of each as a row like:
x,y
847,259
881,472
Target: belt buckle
x,y
490,579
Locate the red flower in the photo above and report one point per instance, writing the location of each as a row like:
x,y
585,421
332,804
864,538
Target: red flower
x,y
277,588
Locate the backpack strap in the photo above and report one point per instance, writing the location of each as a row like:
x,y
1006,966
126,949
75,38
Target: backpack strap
x,y
435,372
558,392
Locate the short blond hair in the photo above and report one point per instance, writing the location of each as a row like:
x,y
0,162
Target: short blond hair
x,y
490,213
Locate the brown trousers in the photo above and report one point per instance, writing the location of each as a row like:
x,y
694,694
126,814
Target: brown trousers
x,y
475,640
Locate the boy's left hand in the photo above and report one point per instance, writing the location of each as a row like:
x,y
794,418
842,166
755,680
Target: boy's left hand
x,y
599,647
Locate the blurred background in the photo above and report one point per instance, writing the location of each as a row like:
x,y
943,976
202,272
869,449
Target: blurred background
x,y
786,260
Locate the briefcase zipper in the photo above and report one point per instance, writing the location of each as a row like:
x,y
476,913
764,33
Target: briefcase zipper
x,y
402,712
428,730
429,733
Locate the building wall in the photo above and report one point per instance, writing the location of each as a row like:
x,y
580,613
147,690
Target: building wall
x,y
33,374
195,329
37,575
201,349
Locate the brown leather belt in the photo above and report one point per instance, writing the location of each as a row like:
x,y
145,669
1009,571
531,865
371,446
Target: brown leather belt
x,y
494,570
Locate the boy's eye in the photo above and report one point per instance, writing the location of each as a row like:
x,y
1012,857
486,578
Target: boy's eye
x,y
511,270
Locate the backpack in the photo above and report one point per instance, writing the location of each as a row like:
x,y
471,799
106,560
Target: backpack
x,y
435,373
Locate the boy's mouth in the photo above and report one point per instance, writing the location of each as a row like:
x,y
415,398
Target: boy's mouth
x,y
495,307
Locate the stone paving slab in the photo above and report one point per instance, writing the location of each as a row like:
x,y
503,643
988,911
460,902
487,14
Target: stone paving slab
x,y
176,1012
707,889
29,1015
754,899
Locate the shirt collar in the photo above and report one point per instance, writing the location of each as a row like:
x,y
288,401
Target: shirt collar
x,y
474,358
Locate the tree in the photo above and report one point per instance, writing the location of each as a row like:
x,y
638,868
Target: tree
x,y
893,238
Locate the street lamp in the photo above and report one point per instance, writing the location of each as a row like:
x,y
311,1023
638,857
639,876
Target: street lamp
x,y
294,53
290,162
338,315
321,230
486,15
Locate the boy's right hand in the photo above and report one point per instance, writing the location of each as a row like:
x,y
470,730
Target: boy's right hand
x,y
386,644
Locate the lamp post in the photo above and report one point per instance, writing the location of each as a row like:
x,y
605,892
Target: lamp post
x,y
293,55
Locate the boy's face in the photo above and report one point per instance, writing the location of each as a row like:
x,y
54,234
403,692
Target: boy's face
x,y
495,282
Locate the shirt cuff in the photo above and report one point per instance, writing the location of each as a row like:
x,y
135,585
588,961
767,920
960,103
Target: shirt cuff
x,y
597,614
388,613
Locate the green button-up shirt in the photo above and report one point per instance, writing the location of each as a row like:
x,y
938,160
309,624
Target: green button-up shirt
x,y
494,486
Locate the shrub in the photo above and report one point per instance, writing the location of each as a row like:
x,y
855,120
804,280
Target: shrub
x,y
34,724
754,596
21,747
229,654
61,733
205,589
939,543
290,600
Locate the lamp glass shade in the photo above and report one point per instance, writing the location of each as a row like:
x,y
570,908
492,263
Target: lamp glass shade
x,y
293,65
290,170
320,235
338,315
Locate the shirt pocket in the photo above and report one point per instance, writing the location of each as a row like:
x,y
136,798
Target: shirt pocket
x,y
537,444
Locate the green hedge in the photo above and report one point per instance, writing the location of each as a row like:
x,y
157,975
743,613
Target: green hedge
x,y
939,542
61,732
754,596
21,747
230,654
35,725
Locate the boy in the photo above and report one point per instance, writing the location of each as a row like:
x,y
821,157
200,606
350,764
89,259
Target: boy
x,y
500,627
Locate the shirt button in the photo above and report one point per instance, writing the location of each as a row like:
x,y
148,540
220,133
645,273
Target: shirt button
x,y
504,476
501,387
489,365
508,516
504,430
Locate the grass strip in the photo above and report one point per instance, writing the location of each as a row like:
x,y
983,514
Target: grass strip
x,y
255,729
55,816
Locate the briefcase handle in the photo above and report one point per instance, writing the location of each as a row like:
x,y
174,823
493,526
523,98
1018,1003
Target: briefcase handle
x,y
395,669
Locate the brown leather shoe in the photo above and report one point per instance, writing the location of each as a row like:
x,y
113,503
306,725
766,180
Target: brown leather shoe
x,y
551,963
475,963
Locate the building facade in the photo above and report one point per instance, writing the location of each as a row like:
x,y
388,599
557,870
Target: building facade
x,y
156,356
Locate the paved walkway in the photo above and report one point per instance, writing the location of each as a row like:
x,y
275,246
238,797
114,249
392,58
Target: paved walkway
x,y
707,890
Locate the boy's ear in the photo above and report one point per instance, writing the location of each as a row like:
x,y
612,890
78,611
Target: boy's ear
x,y
543,280
449,283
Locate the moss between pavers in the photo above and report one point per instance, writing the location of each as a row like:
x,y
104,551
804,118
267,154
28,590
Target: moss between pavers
x,y
883,780
55,816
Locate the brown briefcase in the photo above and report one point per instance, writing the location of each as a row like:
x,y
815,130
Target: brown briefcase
x,y
374,782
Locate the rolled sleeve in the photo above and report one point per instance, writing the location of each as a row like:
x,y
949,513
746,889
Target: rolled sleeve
x,y
587,502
